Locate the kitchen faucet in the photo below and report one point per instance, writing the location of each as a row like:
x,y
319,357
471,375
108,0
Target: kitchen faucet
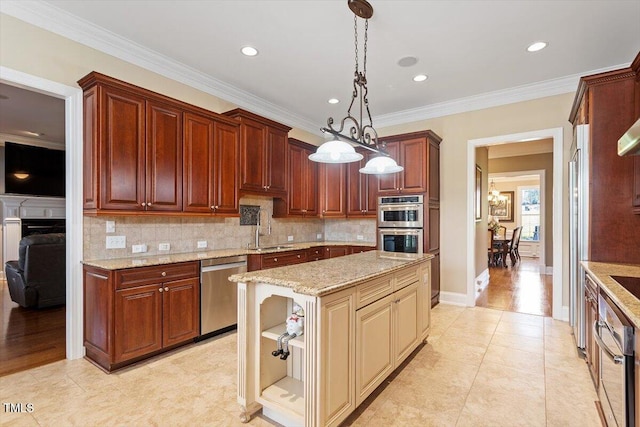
x,y
257,242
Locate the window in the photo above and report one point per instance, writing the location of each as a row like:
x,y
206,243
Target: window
x,y
530,213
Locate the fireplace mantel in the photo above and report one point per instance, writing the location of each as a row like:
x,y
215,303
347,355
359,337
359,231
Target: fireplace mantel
x,y
16,206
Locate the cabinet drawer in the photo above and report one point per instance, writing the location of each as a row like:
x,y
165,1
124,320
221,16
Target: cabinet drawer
x,y
315,254
283,258
373,291
406,277
158,273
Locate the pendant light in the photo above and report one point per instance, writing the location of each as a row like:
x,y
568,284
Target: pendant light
x,y
340,149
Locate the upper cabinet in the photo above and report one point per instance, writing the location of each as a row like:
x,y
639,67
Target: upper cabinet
x,y
332,190
263,150
302,187
146,153
362,189
211,154
609,103
411,151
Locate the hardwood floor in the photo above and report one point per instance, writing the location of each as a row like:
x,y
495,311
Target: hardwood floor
x,y
521,289
29,337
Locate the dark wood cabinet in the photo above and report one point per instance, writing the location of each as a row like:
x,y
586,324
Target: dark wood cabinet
x,y
360,249
592,353
302,190
336,251
258,261
332,190
211,153
316,253
636,185
362,189
134,313
263,154
147,153
607,103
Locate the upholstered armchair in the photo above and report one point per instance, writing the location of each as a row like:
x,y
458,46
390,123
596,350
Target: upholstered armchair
x,y
38,278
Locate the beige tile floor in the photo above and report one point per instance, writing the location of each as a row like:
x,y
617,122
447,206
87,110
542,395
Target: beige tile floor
x,y
481,367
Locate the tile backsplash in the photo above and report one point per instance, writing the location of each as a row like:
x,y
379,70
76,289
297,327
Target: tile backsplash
x,y
183,233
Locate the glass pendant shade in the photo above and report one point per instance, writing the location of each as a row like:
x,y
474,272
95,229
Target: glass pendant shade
x,y
335,151
381,165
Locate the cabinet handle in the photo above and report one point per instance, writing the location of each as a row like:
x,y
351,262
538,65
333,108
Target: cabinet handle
x,y
164,273
160,290
166,289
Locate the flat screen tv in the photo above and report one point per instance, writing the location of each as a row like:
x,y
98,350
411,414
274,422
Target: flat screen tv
x,y
32,170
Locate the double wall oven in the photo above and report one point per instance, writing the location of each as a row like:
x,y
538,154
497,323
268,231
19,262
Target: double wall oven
x,y
401,223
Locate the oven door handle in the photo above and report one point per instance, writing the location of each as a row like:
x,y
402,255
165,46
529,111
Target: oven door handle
x,y
597,327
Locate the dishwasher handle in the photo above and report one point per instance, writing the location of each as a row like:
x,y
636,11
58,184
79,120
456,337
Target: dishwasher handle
x,y
223,266
597,326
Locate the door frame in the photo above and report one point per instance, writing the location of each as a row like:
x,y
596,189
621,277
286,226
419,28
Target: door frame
x,y
557,134
73,196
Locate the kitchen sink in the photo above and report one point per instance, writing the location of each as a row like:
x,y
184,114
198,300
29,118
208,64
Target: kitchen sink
x,y
269,248
631,284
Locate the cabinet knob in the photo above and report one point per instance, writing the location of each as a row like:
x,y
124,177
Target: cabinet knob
x,y
164,273
217,206
275,260
213,208
143,204
166,289
148,205
160,290
298,256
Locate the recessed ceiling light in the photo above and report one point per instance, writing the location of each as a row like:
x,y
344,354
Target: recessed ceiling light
x,y
534,47
420,78
333,101
407,61
249,51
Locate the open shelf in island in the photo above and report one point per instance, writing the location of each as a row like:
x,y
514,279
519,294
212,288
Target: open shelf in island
x,y
288,393
276,331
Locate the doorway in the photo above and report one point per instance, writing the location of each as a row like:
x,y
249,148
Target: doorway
x,y
73,192
556,135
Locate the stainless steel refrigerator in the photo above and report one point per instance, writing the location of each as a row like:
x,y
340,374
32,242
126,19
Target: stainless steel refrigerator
x,y
578,230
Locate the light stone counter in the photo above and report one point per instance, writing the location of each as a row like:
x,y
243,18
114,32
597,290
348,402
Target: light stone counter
x,y
331,275
143,261
602,272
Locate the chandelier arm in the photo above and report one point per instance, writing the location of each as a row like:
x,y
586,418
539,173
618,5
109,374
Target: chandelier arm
x,y
339,135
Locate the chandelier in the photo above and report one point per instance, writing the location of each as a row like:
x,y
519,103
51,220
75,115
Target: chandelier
x,y
340,148
495,199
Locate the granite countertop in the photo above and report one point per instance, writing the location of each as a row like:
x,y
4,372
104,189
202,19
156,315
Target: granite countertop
x,y
143,261
602,272
331,275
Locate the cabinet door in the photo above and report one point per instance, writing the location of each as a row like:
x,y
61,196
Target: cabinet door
x,y
311,185
362,189
138,322
252,152
332,190
226,164
163,158
297,180
374,346
424,302
198,170
636,185
276,178
391,183
405,321
338,370
181,311
122,150
413,156
336,251
591,348
435,279
434,171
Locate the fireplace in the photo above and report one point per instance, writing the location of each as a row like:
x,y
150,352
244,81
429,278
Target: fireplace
x,y
42,226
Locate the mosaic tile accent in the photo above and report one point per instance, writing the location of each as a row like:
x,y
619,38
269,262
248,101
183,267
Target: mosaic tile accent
x,y
249,214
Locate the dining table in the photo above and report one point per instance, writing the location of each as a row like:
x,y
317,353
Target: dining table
x,y
503,245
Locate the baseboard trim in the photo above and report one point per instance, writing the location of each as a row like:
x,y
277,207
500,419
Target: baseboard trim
x,y
482,281
453,298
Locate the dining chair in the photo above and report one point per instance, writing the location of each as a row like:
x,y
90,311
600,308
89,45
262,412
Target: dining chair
x,y
513,245
492,251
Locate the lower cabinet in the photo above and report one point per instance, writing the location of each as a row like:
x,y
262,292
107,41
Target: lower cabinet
x,y
592,354
386,333
336,251
137,312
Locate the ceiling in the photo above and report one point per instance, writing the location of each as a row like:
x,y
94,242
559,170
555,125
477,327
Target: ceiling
x,y
474,52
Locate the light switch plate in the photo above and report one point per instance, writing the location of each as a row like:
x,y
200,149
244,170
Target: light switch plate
x,y
319,236
289,238
116,242
111,226
202,244
164,246
359,237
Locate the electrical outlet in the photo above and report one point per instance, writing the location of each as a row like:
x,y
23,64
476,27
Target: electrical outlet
x,y
359,237
289,238
136,249
111,226
116,242
164,246
319,236
202,244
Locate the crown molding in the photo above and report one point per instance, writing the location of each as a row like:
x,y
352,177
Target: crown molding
x,y
57,21
51,18
559,86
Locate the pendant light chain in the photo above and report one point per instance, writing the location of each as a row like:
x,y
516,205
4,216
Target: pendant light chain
x,y
366,31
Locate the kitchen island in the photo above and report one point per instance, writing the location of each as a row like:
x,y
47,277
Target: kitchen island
x,y
363,315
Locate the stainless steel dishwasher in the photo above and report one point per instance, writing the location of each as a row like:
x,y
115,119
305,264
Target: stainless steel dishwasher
x,y
218,296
